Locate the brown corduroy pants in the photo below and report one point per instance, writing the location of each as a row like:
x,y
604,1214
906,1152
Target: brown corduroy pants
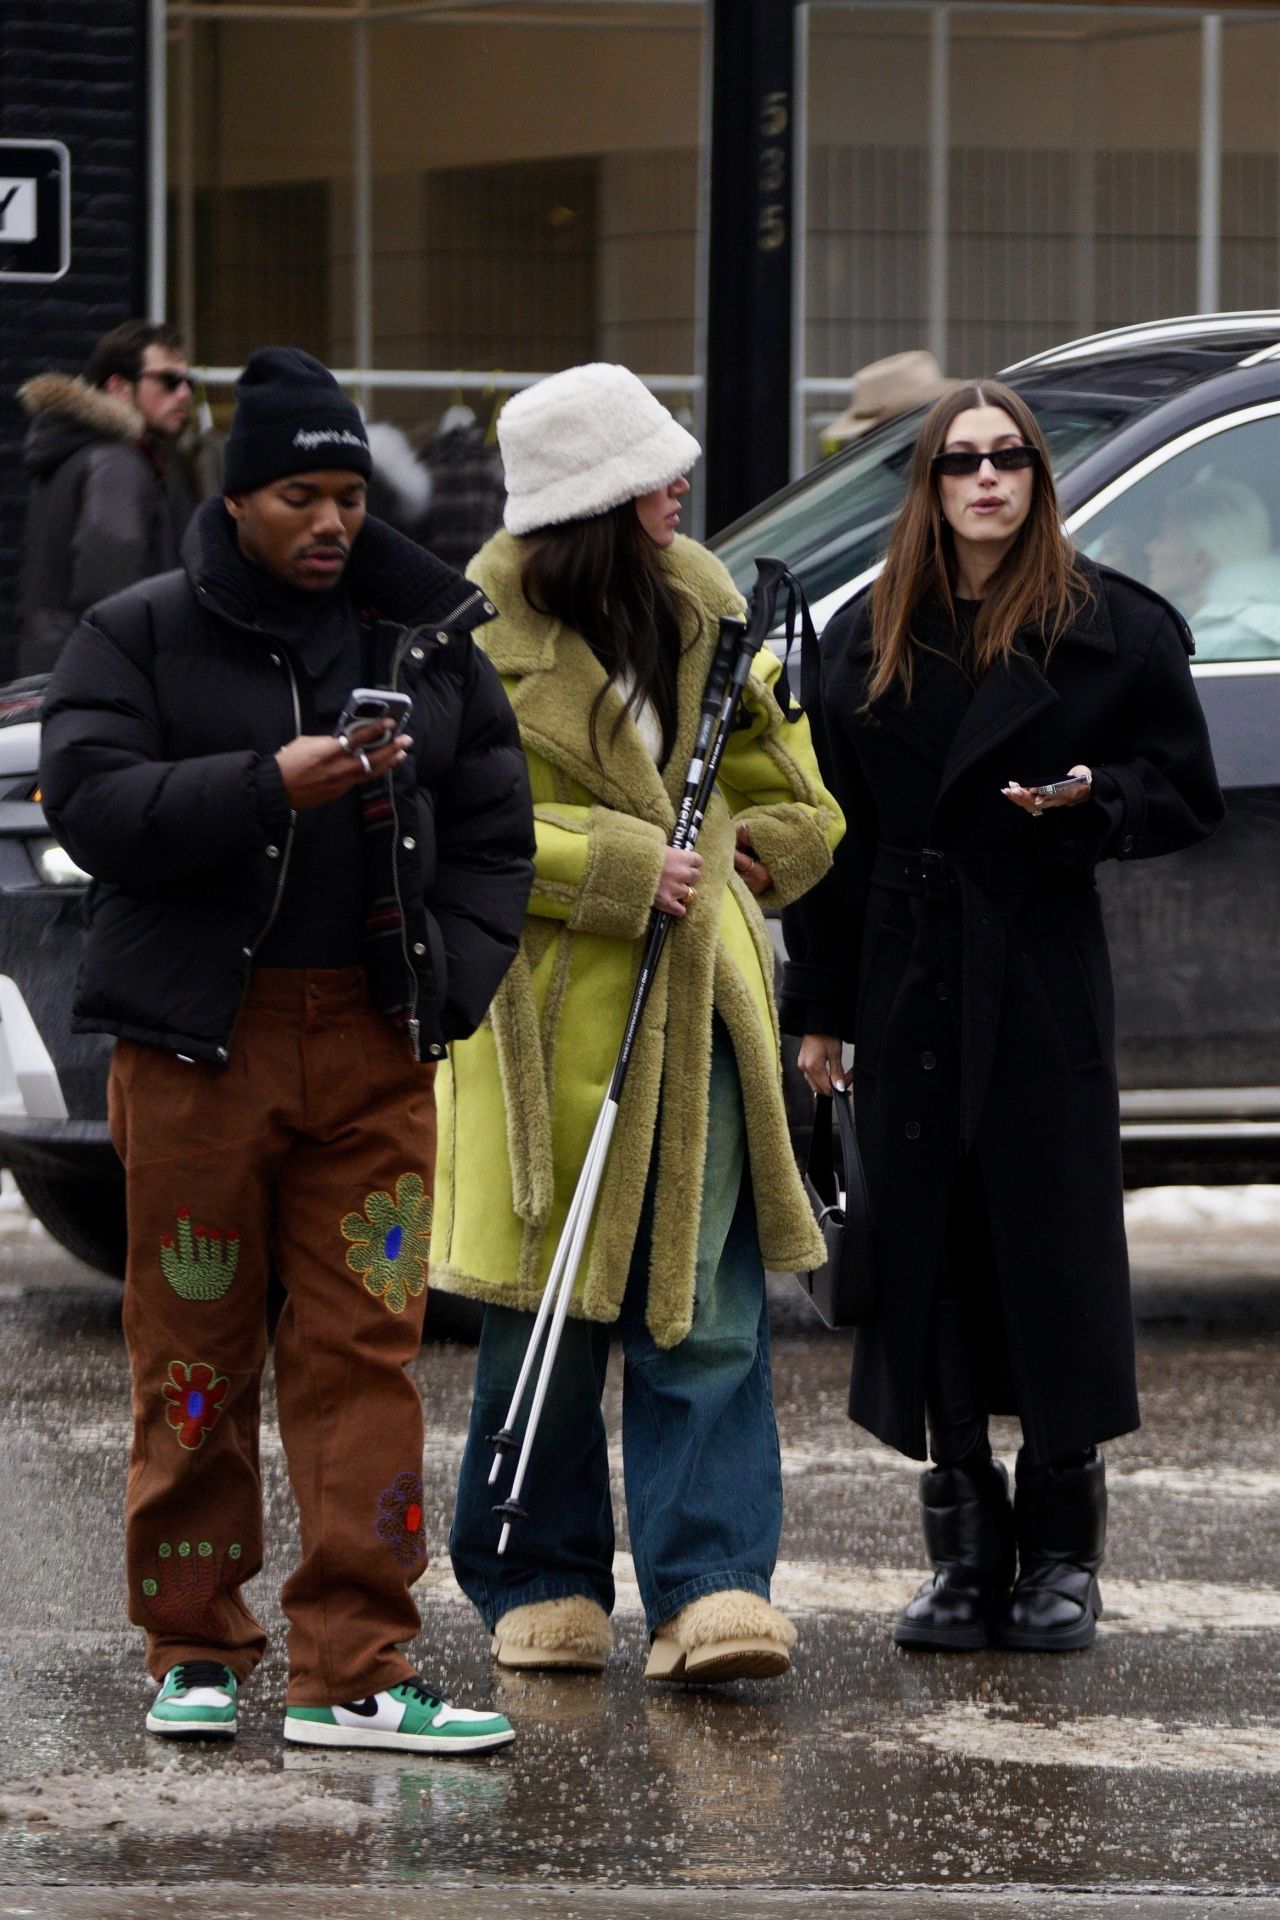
x,y
314,1148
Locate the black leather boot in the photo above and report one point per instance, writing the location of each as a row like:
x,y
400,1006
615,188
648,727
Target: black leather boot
x,y
968,1530
1061,1519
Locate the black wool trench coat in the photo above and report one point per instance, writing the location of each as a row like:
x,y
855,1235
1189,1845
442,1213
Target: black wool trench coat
x,y
958,942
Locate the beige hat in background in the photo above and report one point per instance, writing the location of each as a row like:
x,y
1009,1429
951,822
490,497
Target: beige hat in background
x,y
887,388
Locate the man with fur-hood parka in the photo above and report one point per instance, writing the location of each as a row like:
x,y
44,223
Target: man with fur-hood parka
x,y
109,501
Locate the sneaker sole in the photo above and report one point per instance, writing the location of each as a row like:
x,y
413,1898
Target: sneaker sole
x,y
314,1733
191,1729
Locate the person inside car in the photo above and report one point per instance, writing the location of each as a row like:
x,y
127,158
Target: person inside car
x,y
997,716
293,915
1213,558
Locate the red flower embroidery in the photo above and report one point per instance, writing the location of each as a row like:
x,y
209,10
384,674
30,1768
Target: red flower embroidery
x,y
195,1395
399,1521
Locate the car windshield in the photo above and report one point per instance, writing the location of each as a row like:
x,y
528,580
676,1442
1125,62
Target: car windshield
x,y
835,522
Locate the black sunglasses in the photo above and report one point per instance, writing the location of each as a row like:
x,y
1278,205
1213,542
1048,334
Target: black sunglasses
x,y
1003,459
168,380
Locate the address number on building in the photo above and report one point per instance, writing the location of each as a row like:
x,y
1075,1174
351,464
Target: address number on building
x,y
35,210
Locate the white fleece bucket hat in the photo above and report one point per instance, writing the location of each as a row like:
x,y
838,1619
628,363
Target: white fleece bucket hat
x,y
585,440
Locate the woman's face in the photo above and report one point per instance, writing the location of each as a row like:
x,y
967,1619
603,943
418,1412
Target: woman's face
x,y
985,508
659,512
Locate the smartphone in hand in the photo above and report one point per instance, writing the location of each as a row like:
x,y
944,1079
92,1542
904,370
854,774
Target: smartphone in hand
x,y
1048,788
371,716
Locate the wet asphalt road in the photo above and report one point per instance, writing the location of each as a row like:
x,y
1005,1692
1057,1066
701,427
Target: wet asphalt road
x,y
1139,1779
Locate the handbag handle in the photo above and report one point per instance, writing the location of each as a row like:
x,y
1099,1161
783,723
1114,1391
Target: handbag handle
x,y
820,1160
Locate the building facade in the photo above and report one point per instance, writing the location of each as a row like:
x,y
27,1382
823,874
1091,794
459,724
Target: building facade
x,y
445,198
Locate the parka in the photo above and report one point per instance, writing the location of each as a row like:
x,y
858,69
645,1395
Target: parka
x,y
161,726
959,943
107,509
519,1100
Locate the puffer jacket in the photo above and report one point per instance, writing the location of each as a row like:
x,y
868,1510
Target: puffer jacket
x,y
162,721
105,511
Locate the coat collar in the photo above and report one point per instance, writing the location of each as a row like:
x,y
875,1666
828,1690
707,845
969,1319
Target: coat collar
x,y
389,576
553,680
68,397
1005,699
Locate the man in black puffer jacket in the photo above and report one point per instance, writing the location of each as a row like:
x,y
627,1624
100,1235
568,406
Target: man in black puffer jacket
x,y
288,928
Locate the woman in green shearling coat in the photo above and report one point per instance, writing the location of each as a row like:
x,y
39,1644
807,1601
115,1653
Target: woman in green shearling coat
x,y
701,1191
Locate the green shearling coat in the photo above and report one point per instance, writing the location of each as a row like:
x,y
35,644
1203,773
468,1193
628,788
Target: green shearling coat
x,y
519,1099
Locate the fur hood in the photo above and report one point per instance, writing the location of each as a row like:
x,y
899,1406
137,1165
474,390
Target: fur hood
x,y
66,413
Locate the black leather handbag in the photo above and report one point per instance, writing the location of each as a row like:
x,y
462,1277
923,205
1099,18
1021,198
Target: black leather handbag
x,y
843,1288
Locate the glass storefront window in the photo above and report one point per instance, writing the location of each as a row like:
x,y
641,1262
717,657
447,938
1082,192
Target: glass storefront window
x,y
505,191
986,182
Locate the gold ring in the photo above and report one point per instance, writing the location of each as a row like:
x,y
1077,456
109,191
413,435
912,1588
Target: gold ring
x,y
690,893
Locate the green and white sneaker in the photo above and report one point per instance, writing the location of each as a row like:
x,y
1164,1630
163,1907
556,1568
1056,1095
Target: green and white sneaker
x,y
407,1717
197,1701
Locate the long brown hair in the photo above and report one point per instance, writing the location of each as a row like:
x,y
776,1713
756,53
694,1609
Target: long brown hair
x,y
1038,583
603,578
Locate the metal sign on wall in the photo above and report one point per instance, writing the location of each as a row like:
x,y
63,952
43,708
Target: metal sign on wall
x,y
35,210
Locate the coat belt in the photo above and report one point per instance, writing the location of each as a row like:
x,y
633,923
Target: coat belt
x,y
975,885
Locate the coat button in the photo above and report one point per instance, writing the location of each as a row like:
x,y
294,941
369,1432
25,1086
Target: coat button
x,y
273,853
418,948
489,606
409,843
928,1061
443,637
912,1129
940,991
222,1053
247,952
415,653
1126,845
276,661
436,1052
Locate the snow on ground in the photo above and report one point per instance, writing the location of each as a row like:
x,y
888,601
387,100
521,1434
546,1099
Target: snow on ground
x,y
1203,1209
1149,1212
17,1222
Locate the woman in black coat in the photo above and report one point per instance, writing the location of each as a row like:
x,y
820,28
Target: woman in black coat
x,y
958,942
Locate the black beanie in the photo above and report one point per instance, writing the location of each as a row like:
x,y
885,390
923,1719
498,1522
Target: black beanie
x,y
291,417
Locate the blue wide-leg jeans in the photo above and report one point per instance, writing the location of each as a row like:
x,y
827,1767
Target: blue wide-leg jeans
x,y
699,1443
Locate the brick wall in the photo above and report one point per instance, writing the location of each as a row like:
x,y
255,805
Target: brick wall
x,y
75,72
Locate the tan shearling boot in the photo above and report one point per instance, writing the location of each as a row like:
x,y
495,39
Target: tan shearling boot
x,y
571,1634
722,1636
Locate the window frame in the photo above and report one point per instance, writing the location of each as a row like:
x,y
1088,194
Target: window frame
x,y
1106,496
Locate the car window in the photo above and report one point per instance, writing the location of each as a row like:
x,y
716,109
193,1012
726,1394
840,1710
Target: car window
x,y
1204,530
835,522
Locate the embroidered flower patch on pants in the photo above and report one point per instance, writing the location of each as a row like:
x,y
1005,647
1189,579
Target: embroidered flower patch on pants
x,y
195,1395
391,1243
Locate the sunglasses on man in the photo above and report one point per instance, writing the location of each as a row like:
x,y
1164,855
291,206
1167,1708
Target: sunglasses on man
x,y
1003,459
170,381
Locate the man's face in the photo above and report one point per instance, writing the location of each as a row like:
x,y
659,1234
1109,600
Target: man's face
x,y
1178,566
162,392
301,529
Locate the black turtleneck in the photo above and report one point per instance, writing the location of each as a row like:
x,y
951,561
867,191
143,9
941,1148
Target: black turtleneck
x,y
320,918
